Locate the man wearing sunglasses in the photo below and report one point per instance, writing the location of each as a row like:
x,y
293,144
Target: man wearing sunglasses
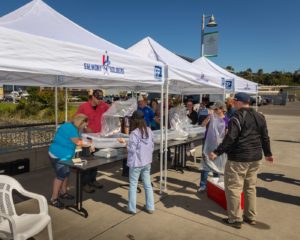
x,y
94,110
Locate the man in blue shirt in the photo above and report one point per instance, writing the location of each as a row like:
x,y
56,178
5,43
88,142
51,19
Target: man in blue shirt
x,y
148,112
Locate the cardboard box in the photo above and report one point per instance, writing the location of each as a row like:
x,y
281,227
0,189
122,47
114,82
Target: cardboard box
x,y
215,191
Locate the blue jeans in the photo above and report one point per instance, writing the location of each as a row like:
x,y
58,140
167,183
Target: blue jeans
x,y
204,176
134,173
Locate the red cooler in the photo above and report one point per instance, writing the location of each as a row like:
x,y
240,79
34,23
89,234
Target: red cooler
x,y
215,191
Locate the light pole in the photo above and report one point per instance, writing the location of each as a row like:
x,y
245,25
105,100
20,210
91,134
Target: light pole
x,y
211,23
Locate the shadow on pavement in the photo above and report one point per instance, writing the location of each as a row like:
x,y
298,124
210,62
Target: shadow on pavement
x,y
270,177
277,196
288,141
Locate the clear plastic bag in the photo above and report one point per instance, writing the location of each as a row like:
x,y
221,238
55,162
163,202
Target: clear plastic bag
x,y
215,134
111,118
179,121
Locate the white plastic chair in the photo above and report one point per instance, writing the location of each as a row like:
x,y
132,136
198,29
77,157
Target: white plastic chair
x,y
19,227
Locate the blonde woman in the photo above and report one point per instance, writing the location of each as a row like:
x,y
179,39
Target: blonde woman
x,y
63,148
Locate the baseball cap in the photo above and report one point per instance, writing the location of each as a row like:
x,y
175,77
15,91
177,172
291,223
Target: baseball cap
x,y
242,97
218,104
97,93
137,115
140,98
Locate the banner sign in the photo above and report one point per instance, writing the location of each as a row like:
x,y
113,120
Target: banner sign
x,y
210,41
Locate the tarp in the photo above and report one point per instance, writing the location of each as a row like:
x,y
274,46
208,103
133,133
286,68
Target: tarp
x,y
183,76
26,59
232,82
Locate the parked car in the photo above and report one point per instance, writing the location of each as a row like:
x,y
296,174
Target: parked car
x,y
74,99
259,100
268,100
24,95
13,96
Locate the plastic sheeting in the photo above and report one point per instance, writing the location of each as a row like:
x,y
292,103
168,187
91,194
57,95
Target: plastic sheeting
x,y
111,118
179,121
195,130
99,141
215,135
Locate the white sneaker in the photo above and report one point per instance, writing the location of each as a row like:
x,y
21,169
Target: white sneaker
x,y
201,189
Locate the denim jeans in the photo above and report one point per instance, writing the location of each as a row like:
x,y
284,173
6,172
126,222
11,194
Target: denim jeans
x,y
61,171
134,173
204,176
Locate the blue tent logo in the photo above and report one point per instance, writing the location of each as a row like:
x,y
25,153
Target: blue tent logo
x,y
158,72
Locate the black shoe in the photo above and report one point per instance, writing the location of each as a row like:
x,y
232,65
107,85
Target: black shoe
x,y
234,224
88,189
66,196
96,185
57,203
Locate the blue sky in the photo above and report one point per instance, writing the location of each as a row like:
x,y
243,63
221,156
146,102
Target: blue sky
x,y
253,34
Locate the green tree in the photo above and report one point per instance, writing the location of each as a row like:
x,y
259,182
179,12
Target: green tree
x,y
229,69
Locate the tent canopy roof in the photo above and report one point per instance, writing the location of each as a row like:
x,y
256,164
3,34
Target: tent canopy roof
x,y
240,84
180,72
38,18
26,59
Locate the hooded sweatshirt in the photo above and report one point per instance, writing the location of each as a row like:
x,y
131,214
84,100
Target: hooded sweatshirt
x,y
140,150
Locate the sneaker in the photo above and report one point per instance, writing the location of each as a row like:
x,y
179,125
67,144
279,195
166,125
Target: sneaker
x,y
66,196
249,221
57,203
201,189
234,224
148,211
130,212
96,184
88,189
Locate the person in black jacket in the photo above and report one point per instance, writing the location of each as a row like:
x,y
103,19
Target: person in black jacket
x,y
246,139
191,113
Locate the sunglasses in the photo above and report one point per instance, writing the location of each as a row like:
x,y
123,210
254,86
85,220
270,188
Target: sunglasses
x,y
99,97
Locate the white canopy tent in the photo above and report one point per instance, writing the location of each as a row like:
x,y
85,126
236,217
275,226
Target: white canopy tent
x,y
183,77
89,61
232,82
180,76
129,72
31,60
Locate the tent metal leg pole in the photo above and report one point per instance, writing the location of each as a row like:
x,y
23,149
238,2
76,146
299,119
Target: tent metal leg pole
x,y
166,133
161,157
66,104
56,106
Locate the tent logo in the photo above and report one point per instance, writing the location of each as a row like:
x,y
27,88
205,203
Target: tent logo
x,y
105,62
104,66
229,84
158,72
